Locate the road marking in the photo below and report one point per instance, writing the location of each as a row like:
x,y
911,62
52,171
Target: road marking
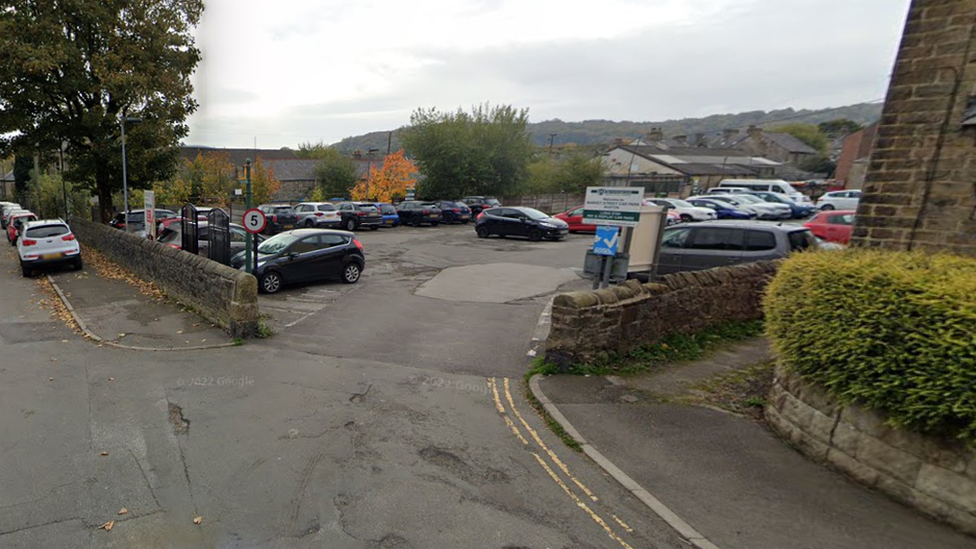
x,y
622,524
552,455
501,409
581,504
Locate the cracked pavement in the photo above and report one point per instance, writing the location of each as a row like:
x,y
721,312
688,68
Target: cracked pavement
x,y
375,421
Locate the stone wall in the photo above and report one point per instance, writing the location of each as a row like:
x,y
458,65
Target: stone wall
x,y
935,477
919,190
589,325
223,295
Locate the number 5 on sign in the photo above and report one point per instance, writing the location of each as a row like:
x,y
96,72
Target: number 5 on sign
x,y
254,221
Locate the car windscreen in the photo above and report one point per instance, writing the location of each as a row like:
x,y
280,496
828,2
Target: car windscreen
x,y
387,209
748,198
283,210
533,213
277,243
493,202
47,231
680,203
366,208
169,235
326,208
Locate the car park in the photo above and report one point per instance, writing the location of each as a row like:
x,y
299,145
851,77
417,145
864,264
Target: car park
x,y
389,212
355,215
136,220
306,255
839,200
16,223
766,185
723,210
833,225
764,209
686,211
48,243
713,244
797,210
479,204
454,212
278,218
527,222
318,214
416,213
172,236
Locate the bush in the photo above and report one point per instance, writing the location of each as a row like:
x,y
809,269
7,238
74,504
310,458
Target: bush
x,y
891,331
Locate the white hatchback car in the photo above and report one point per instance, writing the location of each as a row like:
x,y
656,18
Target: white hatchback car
x,y
839,200
687,211
48,243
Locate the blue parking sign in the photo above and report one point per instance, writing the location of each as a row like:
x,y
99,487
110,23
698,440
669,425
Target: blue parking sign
x,y
606,241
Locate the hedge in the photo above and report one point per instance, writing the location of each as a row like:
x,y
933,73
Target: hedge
x,y
891,331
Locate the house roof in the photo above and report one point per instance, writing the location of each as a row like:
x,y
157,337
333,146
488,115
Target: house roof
x,y
292,169
696,161
789,143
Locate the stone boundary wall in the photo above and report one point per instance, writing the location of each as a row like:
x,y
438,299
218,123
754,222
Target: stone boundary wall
x,y
936,477
589,325
223,295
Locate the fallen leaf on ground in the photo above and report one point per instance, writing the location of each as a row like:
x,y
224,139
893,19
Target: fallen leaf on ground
x,y
180,332
50,379
64,341
108,526
103,454
111,379
198,520
121,335
123,511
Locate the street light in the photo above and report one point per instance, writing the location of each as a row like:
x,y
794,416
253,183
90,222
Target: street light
x,y
125,176
369,165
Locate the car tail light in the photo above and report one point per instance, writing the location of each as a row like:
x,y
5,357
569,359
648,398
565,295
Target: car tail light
x,y
360,214
426,212
455,210
68,237
358,244
319,214
482,214
27,242
274,218
174,246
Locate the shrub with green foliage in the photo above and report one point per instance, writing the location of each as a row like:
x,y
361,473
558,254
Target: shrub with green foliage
x,y
890,331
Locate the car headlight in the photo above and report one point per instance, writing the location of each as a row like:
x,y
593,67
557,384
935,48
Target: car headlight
x,y
547,225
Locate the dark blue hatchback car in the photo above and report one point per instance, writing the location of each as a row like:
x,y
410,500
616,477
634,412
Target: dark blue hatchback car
x,y
723,210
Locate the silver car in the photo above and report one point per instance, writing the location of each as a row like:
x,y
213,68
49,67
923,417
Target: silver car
x,y
713,244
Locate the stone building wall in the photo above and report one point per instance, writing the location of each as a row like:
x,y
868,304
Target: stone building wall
x,y
936,477
920,186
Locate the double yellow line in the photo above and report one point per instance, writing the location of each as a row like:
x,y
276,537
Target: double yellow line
x,y
580,501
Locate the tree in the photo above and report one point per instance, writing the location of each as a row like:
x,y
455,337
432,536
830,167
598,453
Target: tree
x,y
808,133
217,179
335,173
176,192
71,70
484,152
820,164
264,185
388,183
312,150
572,173
838,128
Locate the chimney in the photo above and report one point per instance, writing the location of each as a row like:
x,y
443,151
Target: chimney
x,y
755,132
656,135
681,140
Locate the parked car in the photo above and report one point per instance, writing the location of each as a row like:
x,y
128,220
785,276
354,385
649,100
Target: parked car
x,y
359,214
798,210
172,236
136,220
279,217
832,225
454,212
9,213
305,255
318,214
574,221
718,244
16,223
526,222
839,200
685,210
6,208
480,203
763,210
415,213
48,243
389,212
722,210
766,185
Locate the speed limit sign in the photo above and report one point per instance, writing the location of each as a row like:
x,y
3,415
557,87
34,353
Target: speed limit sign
x,y
254,221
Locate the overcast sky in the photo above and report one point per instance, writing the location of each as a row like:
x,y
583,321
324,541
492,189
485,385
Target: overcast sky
x,y
288,71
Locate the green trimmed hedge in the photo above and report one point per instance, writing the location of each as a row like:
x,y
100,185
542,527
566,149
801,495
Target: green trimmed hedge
x,y
891,331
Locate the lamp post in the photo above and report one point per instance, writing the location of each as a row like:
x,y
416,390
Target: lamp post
x,y
369,165
125,175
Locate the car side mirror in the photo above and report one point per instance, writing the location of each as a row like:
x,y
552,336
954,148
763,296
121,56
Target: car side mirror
x,y
292,255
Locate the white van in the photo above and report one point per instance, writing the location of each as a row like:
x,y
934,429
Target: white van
x,y
765,185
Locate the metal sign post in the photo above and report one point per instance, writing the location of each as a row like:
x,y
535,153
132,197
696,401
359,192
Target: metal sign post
x,y
248,238
254,222
149,206
614,210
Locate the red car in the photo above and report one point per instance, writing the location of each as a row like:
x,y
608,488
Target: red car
x,y
574,218
832,225
16,222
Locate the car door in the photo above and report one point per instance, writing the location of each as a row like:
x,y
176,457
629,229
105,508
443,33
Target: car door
x,y
712,247
673,249
329,258
759,244
510,223
297,263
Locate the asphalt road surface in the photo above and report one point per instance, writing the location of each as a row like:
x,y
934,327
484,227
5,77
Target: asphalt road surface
x,y
388,414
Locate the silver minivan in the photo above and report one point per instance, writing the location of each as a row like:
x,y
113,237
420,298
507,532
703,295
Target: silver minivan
x,y
721,243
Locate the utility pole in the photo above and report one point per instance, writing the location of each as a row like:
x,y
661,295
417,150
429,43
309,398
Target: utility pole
x,y
552,138
389,142
369,165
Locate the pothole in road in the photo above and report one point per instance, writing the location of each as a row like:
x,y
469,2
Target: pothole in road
x,y
453,464
181,425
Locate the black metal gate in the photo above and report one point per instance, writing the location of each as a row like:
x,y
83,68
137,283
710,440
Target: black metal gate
x,y
218,236
190,227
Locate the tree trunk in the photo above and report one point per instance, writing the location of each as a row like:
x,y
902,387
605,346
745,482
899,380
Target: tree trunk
x,y
104,190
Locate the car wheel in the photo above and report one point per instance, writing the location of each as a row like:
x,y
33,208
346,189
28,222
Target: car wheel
x,y
435,223
482,231
308,223
415,222
827,207
78,265
685,218
535,235
374,227
270,282
351,225
351,273
465,221
26,271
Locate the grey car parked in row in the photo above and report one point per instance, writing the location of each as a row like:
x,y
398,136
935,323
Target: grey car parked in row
x,y
721,243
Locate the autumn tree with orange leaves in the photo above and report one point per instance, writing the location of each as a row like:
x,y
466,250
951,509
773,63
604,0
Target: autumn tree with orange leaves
x,y
388,182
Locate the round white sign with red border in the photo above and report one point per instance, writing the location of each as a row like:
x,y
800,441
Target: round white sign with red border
x,y
254,221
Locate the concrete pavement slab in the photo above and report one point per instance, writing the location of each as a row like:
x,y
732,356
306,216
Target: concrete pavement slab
x,y
494,282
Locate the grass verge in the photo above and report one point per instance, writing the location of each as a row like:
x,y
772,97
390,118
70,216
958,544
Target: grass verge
x,y
553,425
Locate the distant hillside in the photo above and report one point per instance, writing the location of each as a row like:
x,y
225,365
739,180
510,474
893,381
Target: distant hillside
x,y
597,132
